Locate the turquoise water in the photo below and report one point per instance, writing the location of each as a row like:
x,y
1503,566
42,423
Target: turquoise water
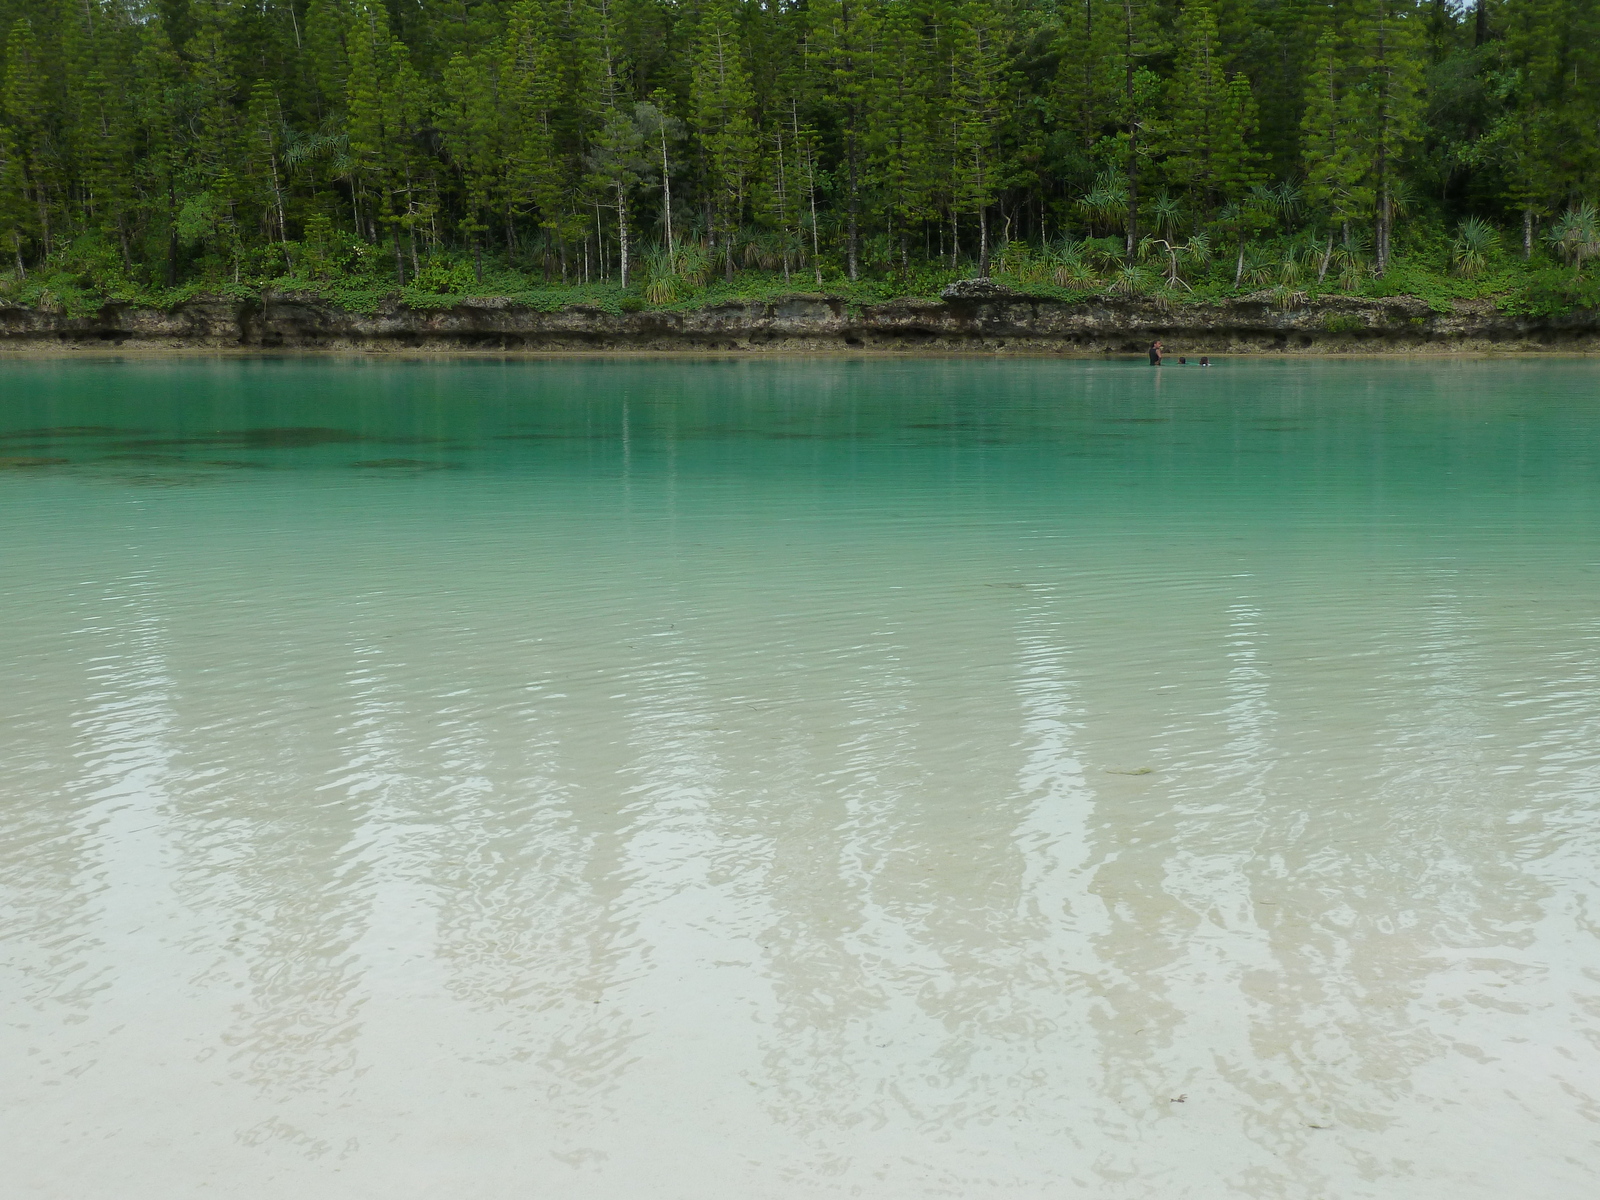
x,y
663,778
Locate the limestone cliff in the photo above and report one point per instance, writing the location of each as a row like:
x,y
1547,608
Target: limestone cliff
x,y
974,319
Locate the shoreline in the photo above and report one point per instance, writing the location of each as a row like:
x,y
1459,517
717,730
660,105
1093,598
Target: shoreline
x,y
976,321
152,352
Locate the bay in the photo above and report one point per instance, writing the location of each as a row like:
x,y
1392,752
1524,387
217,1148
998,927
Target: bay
x,y
709,778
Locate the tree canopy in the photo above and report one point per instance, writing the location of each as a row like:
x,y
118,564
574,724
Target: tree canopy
x,y
647,141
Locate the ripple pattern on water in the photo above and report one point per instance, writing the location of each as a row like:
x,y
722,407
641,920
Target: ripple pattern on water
x,y
800,779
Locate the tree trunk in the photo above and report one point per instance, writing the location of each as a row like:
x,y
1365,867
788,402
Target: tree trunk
x,y
1133,195
853,216
1327,257
44,220
666,187
622,231
277,196
983,241
1527,234
1133,140
399,259
172,234
816,250
853,252
1385,220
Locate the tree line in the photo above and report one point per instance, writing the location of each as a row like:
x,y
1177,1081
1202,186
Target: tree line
x,y
661,143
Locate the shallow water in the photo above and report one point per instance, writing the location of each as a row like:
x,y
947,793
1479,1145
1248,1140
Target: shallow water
x,y
702,780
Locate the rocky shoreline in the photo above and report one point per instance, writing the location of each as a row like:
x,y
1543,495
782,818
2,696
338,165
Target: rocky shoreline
x,y
975,318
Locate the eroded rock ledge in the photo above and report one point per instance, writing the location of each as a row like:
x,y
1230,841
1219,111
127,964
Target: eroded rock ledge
x,y
978,323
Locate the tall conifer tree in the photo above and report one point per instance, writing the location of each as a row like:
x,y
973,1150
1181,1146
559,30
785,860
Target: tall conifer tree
x,y
842,43
977,70
722,101
1210,133
1330,138
34,159
1387,55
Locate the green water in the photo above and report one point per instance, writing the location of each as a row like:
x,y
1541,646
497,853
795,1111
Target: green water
x,y
780,779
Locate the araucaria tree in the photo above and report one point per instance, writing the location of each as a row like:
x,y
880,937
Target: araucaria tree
x,y
166,144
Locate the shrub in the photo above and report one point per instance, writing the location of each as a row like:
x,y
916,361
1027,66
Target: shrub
x,y
1475,241
1576,236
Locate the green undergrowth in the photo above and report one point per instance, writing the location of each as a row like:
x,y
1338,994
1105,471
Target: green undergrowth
x,y
1540,289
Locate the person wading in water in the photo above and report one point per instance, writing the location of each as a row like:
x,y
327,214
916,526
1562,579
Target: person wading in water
x,y
1155,354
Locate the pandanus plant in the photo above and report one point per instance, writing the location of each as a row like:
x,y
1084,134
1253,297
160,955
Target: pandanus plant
x,y
673,276
1065,265
1475,242
1106,204
1197,250
1576,236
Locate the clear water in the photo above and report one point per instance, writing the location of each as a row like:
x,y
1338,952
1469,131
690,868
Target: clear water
x,y
668,779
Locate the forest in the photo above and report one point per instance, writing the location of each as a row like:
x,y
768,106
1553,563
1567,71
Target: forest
x,y
653,152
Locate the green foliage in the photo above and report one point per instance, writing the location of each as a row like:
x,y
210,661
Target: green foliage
x,y
431,153
1210,137
1553,293
1476,243
1576,236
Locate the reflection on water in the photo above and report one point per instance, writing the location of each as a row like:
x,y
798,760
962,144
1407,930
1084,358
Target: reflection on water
x,y
710,779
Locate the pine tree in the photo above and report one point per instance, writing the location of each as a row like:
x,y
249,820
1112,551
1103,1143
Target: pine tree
x,y
327,22
1386,41
722,100
620,161
1330,138
1136,41
385,102
1083,94
1236,161
158,103
901,137
1203,139
470,117
151,141
977,69
262,155
842,50
618,158
530,72
16,213
214,77
1546,142
661,132
98,132
33,157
